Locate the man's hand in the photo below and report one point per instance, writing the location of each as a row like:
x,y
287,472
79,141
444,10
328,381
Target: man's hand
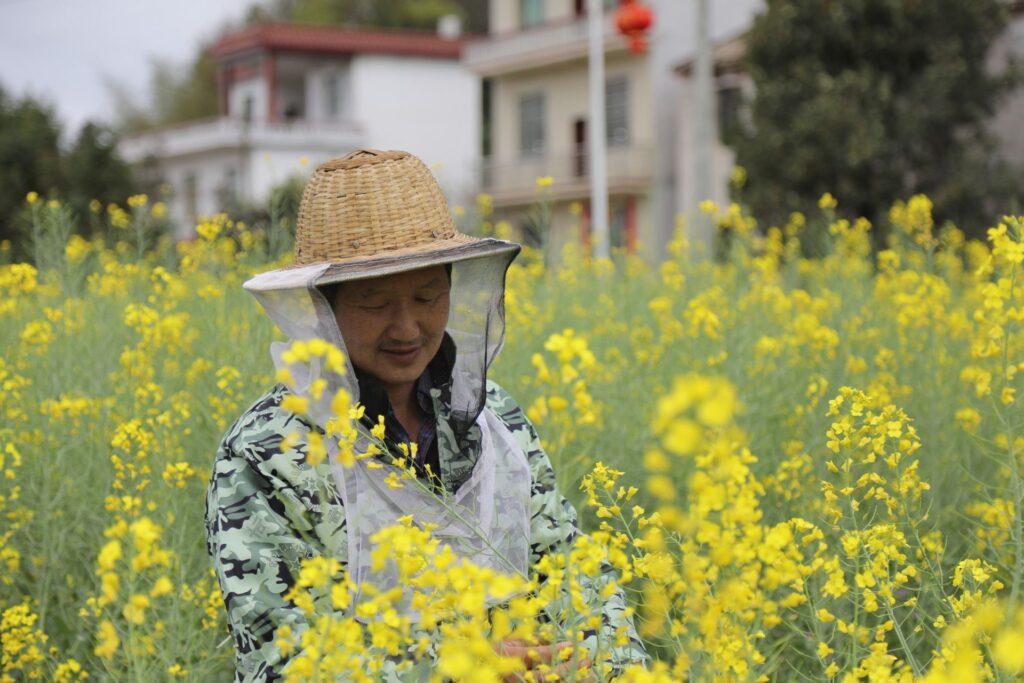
x,y
534,656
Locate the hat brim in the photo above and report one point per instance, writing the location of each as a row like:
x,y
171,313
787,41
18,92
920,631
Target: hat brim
x,y
453,250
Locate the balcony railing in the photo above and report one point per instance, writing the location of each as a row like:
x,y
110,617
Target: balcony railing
x,y
512,180
235,133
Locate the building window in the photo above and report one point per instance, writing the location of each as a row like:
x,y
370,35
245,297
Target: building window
x,y
332,96
531,124
616,112
248,105
531,12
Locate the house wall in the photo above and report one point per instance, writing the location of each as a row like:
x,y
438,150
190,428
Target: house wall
x,y
723,158
429,107
211,173
666,48
1008,123
565,89
267,168
503,15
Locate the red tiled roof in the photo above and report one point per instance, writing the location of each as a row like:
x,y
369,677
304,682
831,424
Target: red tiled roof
x,y
321,39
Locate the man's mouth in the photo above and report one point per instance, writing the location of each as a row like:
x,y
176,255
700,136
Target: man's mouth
x,y
404,354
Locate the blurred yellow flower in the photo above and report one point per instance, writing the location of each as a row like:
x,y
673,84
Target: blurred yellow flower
x,y
108,640
708,206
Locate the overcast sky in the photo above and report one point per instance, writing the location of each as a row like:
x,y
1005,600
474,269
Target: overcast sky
x,y
62,50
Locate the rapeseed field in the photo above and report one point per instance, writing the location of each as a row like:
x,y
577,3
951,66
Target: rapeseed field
x,y
800,469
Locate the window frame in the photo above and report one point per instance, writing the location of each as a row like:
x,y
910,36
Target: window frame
x,y
622,105
332,96
532,13
532,124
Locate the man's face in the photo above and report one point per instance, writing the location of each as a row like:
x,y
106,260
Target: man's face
x,y
393,325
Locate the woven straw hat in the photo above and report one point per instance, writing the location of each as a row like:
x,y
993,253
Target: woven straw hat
x,y
372,213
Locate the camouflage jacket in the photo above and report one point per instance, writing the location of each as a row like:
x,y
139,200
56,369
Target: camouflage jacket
x,y
263,517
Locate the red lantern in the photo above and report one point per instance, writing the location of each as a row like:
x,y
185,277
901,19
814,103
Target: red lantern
x,y
633,19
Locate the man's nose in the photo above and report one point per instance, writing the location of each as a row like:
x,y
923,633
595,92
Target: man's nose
x,y
403,325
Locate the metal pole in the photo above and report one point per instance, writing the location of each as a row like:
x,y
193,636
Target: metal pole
x,y
703,123
598,163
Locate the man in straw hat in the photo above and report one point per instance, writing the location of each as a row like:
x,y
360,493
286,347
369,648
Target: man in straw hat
x,y
418,309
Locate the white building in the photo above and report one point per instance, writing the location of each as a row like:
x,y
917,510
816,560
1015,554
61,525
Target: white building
x,y
292,96
534,66
533,63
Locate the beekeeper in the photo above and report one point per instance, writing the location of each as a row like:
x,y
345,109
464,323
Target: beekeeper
x,y
418,309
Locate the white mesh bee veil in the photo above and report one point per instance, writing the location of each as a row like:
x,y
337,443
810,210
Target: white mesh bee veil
x,y
374,213
476,323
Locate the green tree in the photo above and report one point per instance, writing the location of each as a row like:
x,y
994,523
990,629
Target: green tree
x,y
411,13
30,158
175,95
33,160
422,14
95,171
874,100
318,12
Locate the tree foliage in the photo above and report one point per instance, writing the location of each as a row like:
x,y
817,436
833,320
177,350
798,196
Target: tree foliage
x,y
94,170
30,157
422,14
874,100
174,95
33,160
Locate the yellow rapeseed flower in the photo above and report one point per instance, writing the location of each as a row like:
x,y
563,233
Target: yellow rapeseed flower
x,y
108,640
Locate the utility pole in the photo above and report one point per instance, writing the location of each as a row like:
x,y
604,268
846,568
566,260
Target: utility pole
x,y
703,129
598,161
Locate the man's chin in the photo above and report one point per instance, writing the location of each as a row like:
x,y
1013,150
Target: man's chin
x,y
395,373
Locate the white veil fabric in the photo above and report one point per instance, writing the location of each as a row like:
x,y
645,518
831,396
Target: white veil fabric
x,y
487,519
476,323
375,213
